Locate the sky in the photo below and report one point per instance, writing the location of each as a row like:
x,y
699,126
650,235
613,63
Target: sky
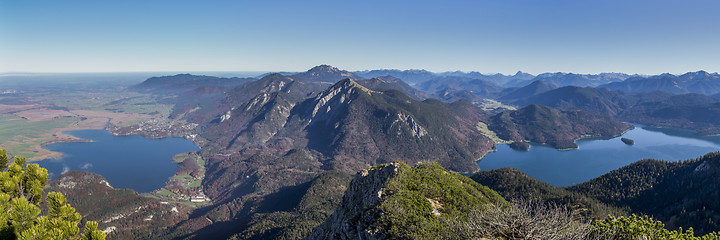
x,y
487,36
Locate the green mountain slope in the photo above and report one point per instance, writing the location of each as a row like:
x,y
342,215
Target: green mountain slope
x,y
515,185
319,200
534,88
121,213
558,128
395,201
184,82
681,194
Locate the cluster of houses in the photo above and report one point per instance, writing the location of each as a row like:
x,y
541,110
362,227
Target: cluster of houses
x,y
199,198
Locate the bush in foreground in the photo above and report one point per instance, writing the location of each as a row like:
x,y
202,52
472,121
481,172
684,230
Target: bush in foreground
x,y
635,227
526,220
21,191
540,220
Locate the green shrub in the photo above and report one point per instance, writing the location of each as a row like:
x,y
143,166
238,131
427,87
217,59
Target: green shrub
x,y
420,200
635,227
20,196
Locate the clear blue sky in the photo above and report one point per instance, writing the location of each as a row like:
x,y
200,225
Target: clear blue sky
x,y
505,36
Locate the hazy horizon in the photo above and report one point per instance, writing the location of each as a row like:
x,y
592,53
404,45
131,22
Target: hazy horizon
x,y
257,73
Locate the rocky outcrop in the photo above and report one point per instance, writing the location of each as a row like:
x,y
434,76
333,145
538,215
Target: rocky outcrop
x,y
415,129
340,93
355,216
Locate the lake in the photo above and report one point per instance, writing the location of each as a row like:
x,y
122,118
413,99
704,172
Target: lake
x,y
599,156
134,162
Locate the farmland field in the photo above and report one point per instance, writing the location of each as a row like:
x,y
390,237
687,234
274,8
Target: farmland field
x,y
32,119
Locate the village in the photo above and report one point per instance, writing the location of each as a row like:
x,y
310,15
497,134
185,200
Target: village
x,y
186,185
155,128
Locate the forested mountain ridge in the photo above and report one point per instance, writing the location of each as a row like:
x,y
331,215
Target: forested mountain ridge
x,y
594,100
131,215
513,184
679,112
182,82
558,128
194,97
681,194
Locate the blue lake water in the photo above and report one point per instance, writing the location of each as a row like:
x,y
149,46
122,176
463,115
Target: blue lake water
x,y
134,162
599,156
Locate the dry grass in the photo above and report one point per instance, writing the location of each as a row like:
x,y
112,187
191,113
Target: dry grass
x,y
526,220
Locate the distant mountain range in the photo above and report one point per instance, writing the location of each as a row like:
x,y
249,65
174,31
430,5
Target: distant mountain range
x,y
390,82
581,80
473,86
693,82
419,76
481,88
692,110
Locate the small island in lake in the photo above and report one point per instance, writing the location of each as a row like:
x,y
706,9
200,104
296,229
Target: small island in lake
x,y
627,141
520,146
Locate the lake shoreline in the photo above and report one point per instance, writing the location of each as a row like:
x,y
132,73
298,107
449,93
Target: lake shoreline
x,y
595,157
148,167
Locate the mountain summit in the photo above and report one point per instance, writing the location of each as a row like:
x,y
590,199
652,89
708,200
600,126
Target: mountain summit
x,y
395,201
324,74
324,69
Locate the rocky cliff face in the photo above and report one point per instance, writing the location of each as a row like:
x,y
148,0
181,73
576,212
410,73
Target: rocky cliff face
x,y
355,216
